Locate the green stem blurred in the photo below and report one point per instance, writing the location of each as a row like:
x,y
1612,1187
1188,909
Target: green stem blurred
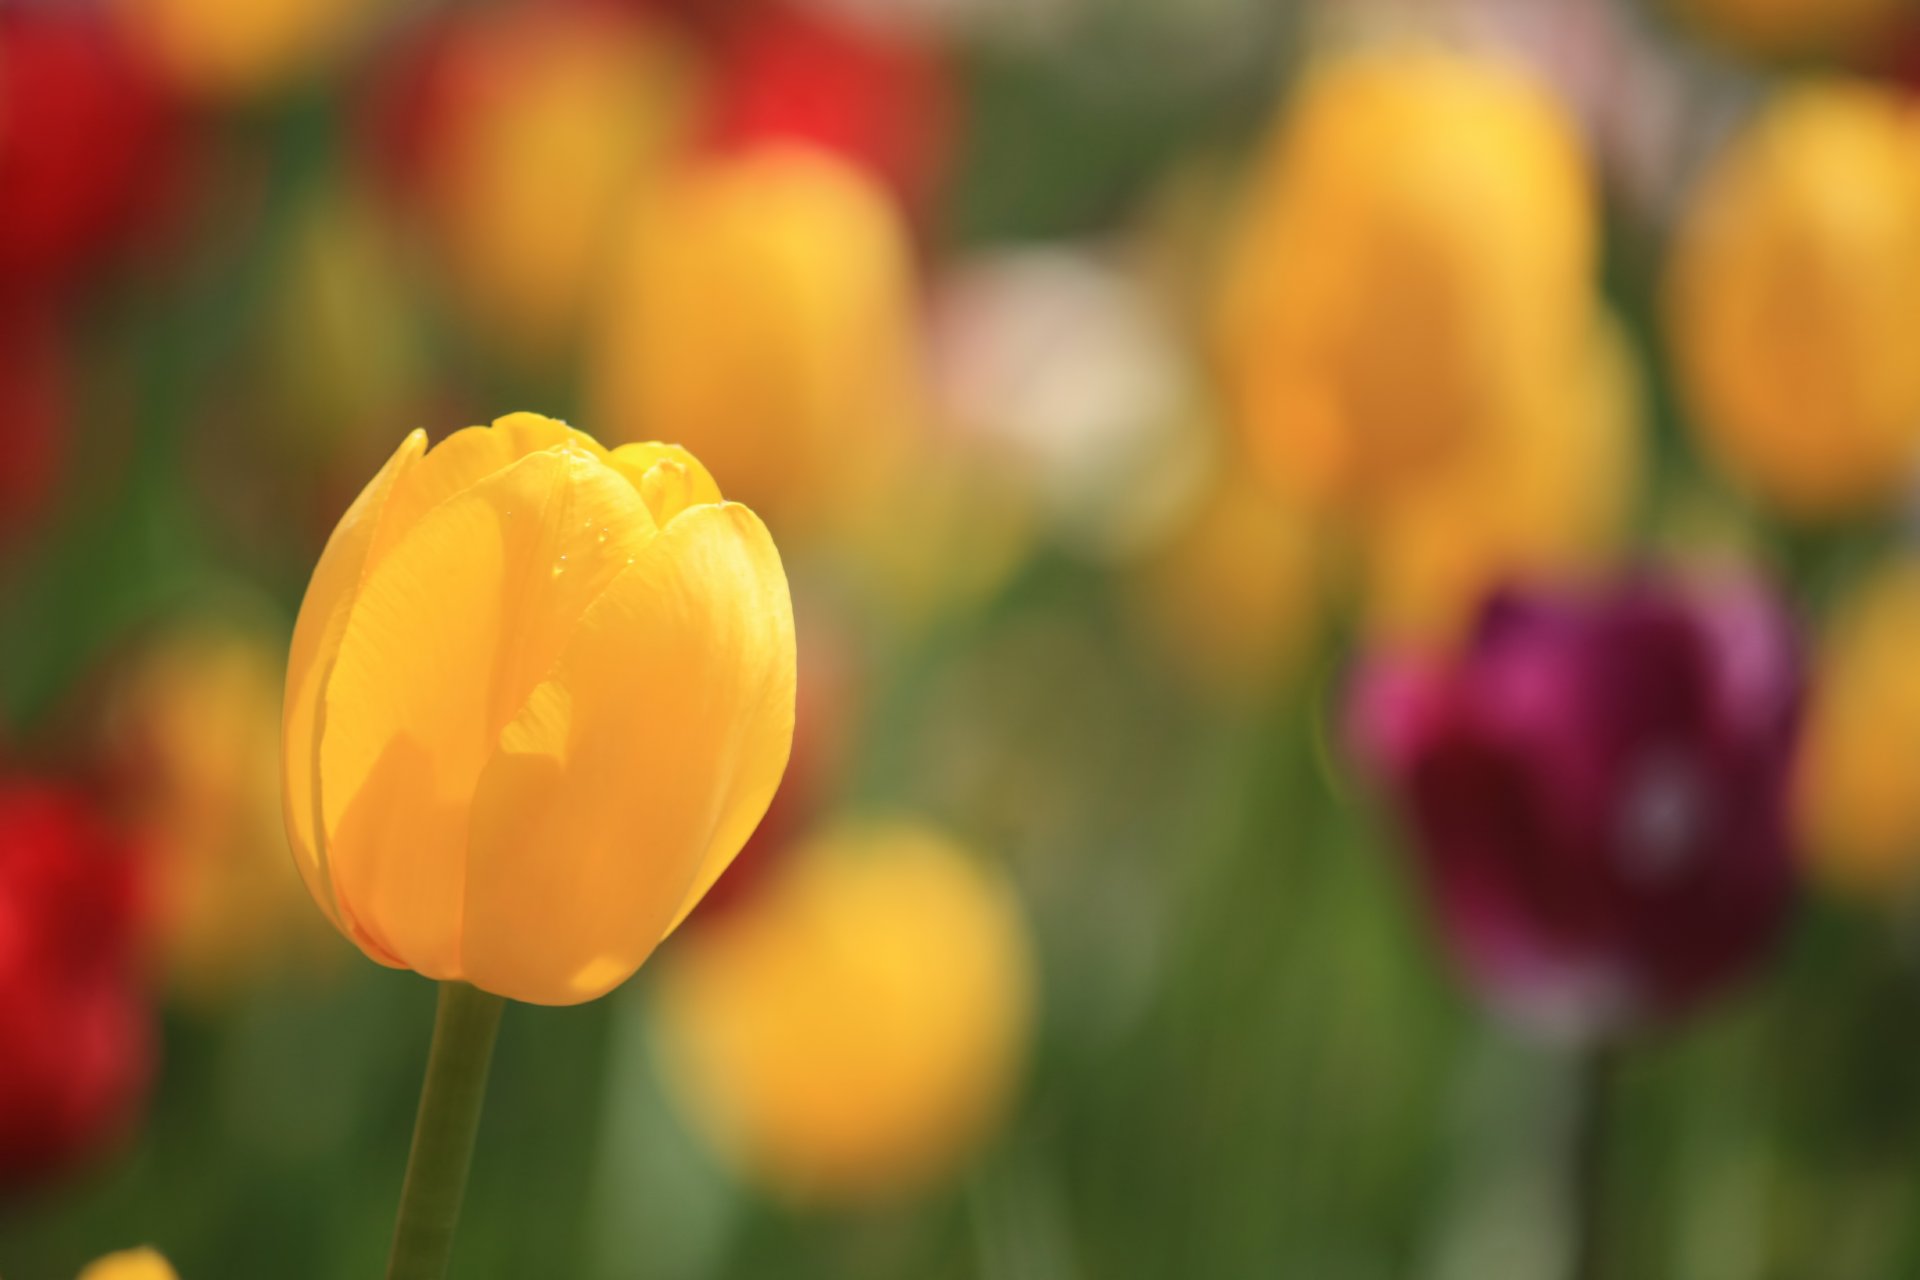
x,y
464,1027
1593,1116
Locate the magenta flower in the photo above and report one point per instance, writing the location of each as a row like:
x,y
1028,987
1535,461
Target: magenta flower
x,y
1596,789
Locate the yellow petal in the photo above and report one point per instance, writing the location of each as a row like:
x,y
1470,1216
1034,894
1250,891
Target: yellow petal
x,y
634,775
667,476
452,631
467,457
130,1264
316,637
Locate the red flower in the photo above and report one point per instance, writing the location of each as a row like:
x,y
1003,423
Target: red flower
x,y
33,411
83,127
76,1044
882,98
1596,791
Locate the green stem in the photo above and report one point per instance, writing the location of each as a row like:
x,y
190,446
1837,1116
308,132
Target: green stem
x,y
463,1032
1593,1118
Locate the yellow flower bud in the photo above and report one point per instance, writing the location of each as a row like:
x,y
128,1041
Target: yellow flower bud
x,y
765,318
853,1030
1858,804
1415,257
220,49
539,695
1794,292
574,112
1548,495
130,1264
191,722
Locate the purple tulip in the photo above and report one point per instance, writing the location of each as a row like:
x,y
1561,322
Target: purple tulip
x,y
1597,790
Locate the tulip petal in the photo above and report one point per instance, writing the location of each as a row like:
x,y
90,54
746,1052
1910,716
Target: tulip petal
x,y
638,770
667,476
316,636
467,457
453,629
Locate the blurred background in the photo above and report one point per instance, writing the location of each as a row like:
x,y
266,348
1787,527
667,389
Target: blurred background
x,y
1357,601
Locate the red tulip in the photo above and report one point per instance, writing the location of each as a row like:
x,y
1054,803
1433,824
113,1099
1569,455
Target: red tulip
x,y
1596,790
884,99
33,411
76,1044
83,127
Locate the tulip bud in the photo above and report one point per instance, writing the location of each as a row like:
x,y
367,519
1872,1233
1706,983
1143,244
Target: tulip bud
x,y
217,49
1596,792
540,693
73,1012
526,131
765,318
130,1264
1794,293
85,136
1414,264
852,1031
188,728
1859,805
1409,335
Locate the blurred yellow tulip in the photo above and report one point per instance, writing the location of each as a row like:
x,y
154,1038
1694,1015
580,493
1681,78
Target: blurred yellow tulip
x,y
1234,595
540,693
1780,28
765,318
130,1264
344,346
853,1031
1858,802
1409,335
1551,497
1794,292
192,723
219,49
1414,259
559,119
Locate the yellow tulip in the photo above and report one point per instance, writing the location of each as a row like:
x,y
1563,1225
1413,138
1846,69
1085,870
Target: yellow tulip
x,y
1795,301
765,318
1415,257
220,49
1859,807
1234,594
854,1030
539,695
130,1264
1549,495
1779,28
576,112
193,721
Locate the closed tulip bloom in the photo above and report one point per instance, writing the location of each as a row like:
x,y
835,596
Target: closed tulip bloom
x,y
853,1030
1859,804
765,318
74,1013
526,131
1596,793
217,49
1794,294
1413,264
189,726
540,693
130,1264
1551,499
